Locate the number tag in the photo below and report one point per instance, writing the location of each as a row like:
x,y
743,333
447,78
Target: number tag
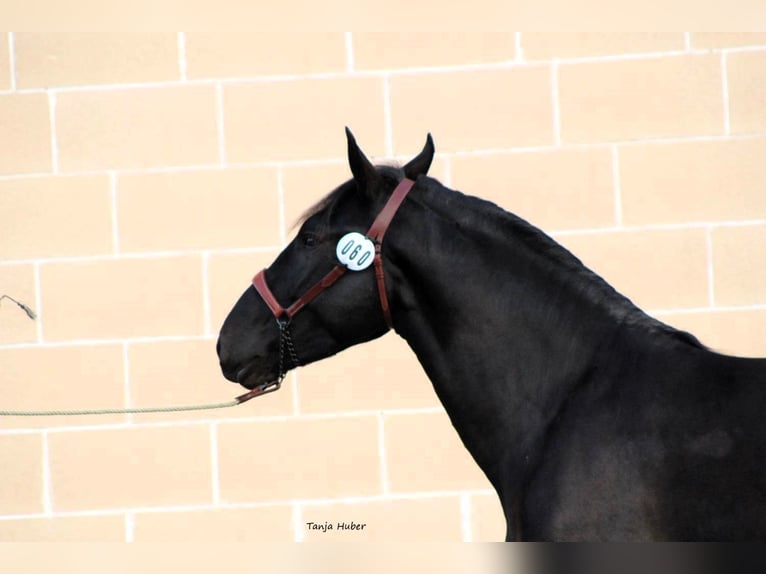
x,y
355,251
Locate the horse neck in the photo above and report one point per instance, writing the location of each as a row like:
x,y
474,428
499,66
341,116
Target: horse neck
x,y
502,333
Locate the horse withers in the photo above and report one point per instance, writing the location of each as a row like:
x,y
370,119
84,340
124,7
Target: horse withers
x,y
591,419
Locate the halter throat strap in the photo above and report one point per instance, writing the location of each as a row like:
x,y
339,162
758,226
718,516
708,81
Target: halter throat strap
x,y
375,233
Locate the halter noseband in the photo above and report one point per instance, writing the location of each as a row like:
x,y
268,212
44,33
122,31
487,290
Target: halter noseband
x,y
283,315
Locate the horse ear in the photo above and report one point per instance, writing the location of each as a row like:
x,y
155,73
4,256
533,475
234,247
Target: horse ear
x,y
364,172
420,163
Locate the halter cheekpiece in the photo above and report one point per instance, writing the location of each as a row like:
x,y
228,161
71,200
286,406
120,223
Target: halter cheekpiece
x,y
283,315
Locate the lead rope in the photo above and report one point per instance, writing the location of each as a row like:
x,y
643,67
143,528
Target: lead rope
x,y
285,343
128,411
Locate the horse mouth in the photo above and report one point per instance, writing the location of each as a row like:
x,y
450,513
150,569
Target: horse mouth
x,y
253,374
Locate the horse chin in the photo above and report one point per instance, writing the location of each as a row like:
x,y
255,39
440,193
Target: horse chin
x,y
254,374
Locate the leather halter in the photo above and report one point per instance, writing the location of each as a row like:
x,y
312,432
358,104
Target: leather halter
x,y
375,233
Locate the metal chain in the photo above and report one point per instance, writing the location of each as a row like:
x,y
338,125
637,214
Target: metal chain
x,y
286,340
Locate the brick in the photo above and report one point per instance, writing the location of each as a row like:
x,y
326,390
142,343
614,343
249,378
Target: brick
x,y
264,53
304,185
727,39
553,190
64,529
17,281
381,374
170,373
659,269
425,454
302,119
260,524
229,275
25,146
739,265
747,91
130,467
55,216
693,181
321,458
63,59
122,298
473,109
411,520
655,97
21,486
210,209
735,332
547,45
391,50
63,378
137,128
487,519
5,63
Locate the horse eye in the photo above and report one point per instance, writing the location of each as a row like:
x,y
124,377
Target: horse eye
x,y
309,240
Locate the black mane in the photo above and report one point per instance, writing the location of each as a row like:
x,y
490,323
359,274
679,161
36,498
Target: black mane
x,y
618,305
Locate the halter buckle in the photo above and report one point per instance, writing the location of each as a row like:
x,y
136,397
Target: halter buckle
x,y
262,389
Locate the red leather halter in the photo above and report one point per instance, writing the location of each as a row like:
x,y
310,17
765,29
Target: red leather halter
x,y
375,233
283,315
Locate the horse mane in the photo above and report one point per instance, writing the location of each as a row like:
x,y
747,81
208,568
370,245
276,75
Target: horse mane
x,y
508,224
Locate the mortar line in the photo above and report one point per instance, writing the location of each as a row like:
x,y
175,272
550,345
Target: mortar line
x,y
115,219
294,385
349,43
127,391
54,137
46,478
140,255
388,123
725,90
556,104
328,161
617,190
117,511
130,527
221,128
215,473
710,269
245,418
503,65
181,42
517,47
382,456
281,208
298,530
447,171
12,59
206,313
465,517
105,342
38,305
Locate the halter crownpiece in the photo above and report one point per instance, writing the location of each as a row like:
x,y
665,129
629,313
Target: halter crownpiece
x,y
355,252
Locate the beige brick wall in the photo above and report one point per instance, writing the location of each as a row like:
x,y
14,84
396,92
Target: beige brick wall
x,y
144,178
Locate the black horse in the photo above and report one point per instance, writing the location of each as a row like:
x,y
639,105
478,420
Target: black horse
x,y
592,420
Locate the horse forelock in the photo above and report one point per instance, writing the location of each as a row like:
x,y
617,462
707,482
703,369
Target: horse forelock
x,y
328,204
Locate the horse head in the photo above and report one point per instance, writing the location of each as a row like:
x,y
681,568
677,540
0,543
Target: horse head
x,y
264,335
